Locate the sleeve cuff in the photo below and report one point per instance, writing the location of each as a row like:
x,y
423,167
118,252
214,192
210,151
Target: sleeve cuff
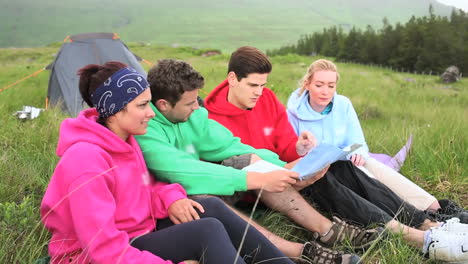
x,y
239,181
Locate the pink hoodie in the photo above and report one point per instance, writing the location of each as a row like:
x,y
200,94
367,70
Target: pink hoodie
x,y
101,196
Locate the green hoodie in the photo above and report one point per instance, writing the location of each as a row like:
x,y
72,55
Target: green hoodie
x,y
179,153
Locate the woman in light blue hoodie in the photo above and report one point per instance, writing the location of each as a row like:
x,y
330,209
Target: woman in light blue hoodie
x,y
316,107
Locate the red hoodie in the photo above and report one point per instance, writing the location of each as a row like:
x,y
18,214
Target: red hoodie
x,y
264,126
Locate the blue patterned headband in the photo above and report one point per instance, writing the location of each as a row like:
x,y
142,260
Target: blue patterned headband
x,y
117,91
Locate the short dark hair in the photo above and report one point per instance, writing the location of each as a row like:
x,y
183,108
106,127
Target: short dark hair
x,y
246,60
170,78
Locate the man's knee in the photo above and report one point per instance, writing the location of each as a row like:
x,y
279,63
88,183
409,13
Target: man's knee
x,y
238,162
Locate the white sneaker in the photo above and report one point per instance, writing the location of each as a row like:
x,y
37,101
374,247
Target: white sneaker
x,y
448,247
453,225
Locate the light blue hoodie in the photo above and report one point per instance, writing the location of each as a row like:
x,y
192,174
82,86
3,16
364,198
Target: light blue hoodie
x,y
340,127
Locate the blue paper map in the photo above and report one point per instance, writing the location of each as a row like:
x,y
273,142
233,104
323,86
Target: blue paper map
x,y
320,157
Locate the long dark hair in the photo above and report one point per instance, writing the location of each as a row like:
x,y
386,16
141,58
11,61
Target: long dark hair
x,y
94,75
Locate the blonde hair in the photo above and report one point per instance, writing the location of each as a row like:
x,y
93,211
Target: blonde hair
x,y
318,65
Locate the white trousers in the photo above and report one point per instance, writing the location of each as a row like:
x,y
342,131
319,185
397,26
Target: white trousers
x,y
399,184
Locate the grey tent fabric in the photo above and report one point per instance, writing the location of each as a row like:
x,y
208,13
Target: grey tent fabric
x,y
76,52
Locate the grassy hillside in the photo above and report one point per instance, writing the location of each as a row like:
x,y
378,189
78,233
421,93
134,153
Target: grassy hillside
x,y
391,107
223,24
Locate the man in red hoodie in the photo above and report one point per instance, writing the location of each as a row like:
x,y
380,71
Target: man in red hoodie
x,y
251,111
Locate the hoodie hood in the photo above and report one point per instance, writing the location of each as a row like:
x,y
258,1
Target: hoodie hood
x,y
340,127
84,128
299,107
216,102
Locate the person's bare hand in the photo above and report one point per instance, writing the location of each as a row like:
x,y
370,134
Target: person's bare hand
x,y
358,160
305,142
183,210
291,164
319,175
279,180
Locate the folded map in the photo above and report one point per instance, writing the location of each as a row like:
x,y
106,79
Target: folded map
x,y
320,157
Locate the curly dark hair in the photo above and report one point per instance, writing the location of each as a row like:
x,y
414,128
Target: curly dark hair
x,y
170,78
246,60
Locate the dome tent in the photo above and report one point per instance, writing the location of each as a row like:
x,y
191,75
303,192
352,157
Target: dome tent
x,y
76,52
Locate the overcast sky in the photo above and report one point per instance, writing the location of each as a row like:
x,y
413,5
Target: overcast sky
x,y
462,4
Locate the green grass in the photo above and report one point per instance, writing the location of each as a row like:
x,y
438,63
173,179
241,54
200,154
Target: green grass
x,y
223,24
391,106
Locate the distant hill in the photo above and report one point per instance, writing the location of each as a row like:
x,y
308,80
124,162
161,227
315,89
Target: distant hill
x,y
222,24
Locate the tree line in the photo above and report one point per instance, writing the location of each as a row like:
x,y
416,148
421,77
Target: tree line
x,y
426,44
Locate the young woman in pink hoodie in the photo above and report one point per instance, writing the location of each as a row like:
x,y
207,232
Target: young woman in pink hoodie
x,y
101,204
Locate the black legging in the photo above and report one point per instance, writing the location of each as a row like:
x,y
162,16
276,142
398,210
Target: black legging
x,y
350,193
213,239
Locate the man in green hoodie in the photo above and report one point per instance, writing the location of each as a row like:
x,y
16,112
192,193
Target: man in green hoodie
x,y
182,145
